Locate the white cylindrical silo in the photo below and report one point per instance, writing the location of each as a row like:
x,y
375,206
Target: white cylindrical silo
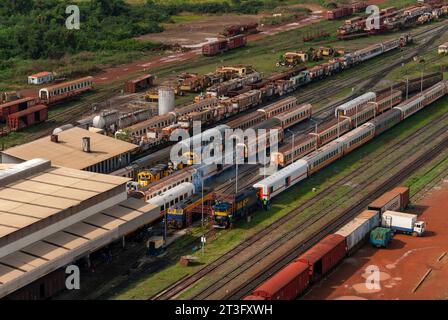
x,y
166,100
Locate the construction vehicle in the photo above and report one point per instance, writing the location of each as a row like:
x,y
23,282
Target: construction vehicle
x,y
381,237
326,51
292,59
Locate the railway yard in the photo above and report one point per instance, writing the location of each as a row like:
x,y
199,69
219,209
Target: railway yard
x,y
147,215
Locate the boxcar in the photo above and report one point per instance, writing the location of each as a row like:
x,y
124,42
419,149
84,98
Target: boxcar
x,y
28,117
287,284
214,48
324,256
394,200
252,297
15,106
141,83
356,230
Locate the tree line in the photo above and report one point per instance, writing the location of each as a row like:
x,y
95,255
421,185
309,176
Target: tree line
x,y
33,29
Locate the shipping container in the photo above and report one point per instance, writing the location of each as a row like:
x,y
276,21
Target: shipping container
x,y
324,256
287,284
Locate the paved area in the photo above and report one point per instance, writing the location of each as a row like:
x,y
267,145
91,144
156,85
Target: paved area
x,y
411,268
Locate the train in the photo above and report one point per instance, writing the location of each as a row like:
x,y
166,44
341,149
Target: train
x,y
260,91
313,162
318,261
223,45
62,91
232,208
348,116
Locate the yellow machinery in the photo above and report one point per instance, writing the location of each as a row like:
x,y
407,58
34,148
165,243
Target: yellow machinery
x,y
292,59
145,178
192,158
326,51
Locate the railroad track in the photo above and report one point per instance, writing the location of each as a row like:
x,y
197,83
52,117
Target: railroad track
x,y
186,283
323,90
338,222
332,86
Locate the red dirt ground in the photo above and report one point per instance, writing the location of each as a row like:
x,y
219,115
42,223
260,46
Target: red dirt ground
x,y
402,265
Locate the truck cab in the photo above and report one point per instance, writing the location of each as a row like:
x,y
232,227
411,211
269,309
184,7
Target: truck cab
x,y
419,228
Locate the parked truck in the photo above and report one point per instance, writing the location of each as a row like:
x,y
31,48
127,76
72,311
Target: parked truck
x,y
381,237
403,222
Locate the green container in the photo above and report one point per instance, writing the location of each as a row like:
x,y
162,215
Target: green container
x,y
381,237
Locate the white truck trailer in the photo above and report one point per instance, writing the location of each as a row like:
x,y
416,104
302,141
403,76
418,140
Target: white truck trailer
x,y
403,222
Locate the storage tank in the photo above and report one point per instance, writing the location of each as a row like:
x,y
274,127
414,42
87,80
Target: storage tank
x,y
62,128
105,119
166,100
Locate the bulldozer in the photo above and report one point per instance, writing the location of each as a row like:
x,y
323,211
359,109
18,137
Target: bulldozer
x,y
292,59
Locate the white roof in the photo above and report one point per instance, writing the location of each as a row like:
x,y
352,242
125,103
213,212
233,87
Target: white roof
x,y
330,146
365,97
411,103
282,174
355,132
172,193
400,214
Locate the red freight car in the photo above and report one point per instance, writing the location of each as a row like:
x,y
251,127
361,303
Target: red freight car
x,y
28,117
65,90
254,298
141,83
236,42
322,257
214,48
395,200
287,284
15,106
339,13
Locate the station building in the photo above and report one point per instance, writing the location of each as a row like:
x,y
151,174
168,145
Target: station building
x,y
75,148
51,216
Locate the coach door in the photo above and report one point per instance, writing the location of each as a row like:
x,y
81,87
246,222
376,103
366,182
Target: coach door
x,y
287,182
